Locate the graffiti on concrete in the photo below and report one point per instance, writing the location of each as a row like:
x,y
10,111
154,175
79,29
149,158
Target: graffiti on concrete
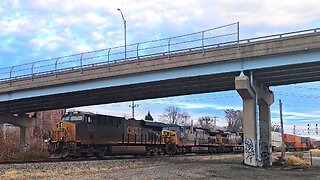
x,y
265,153
249,151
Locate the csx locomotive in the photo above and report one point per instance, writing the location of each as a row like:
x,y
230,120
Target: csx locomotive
x,y
87,134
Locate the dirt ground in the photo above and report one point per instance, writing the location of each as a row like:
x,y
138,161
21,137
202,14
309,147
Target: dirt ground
x,y
179,167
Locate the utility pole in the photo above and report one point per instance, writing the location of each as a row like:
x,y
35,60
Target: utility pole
x,y
133,106
215,121
282,135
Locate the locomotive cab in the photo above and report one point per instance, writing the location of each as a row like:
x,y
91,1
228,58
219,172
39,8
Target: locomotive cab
x,y
65,130
63,135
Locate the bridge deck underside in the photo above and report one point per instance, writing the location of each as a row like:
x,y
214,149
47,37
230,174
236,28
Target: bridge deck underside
x,y
290,74
158,89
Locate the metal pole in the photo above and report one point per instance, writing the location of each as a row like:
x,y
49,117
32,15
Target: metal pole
x,y
11,74
238,29
169,48
56,66
109,58
137,52
125,34
311,157
215,121
132,107
32,73
282,135
202,41
258,155
81,62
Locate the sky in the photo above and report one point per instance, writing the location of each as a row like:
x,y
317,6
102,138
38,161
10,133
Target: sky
x,y
41,29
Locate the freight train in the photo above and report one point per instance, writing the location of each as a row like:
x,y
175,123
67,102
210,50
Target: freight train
x,y
292,142
87,134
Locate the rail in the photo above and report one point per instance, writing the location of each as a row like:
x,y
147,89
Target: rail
x,y
202,40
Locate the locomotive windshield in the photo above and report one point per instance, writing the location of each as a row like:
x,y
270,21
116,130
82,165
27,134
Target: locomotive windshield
x,y
172,127
72,117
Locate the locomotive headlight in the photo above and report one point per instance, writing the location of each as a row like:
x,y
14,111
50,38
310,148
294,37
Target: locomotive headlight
x,y
60,124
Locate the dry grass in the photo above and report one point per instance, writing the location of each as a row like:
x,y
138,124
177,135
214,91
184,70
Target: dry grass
x,y
10,149
60,174
315,152
293,160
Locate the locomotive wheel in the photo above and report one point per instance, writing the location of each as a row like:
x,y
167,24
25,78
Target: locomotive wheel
x,y
171,149
55,156
64,153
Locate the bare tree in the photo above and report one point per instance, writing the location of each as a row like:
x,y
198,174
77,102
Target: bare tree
x,y
206,122
235,120
45,120
185,117
174,115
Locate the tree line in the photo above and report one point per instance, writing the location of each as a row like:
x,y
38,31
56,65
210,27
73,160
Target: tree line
x,y
175,115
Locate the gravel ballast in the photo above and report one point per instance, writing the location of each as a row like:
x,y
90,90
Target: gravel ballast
x,y
220,166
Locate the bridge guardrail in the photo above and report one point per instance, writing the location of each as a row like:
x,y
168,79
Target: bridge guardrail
x,y
202,40
135,52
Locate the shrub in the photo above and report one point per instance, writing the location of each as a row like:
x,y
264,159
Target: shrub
x,y
10,148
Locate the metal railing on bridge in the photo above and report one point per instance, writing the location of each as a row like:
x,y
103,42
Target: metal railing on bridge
x,y
202,40
227,34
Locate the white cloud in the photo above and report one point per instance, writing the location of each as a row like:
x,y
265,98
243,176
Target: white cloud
x,y
91,20
83,48
297,115
205,106
97,36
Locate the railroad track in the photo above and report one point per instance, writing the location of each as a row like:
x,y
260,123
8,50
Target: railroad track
x,y
102,158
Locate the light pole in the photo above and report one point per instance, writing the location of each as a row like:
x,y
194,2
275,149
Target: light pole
x,y
125,34
133,106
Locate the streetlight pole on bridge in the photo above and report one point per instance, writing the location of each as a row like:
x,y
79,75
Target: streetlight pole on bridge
x,y
125,34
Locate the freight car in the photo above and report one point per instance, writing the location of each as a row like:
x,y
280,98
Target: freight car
x,y
87,134
276,141
298,143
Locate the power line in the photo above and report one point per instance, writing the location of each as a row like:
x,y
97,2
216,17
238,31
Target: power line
x,y
297,95
309,88
304,106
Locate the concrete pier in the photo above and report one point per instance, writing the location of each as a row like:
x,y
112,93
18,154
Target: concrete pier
x,y
257,121
24,123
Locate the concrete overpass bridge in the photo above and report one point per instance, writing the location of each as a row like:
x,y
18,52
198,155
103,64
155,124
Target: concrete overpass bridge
x,y
189,64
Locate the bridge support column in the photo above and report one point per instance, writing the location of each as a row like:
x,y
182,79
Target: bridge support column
x,y
24,123
24,138
256,121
